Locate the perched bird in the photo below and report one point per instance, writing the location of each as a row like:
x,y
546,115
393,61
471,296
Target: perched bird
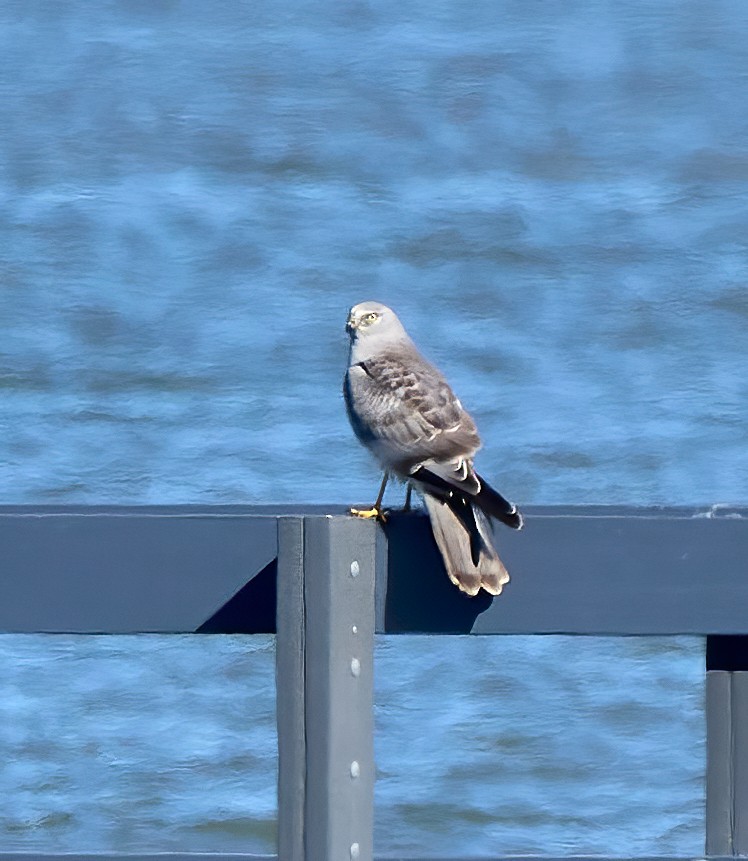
x,y
403,410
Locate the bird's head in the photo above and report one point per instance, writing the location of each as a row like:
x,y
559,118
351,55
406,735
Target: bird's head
x,y
369,319
373,328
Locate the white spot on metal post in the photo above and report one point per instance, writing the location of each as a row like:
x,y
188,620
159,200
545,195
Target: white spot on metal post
x,y
355,667
354,568
355,769
355,850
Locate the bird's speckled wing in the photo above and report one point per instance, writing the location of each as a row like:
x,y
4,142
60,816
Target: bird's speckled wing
x,y
403,409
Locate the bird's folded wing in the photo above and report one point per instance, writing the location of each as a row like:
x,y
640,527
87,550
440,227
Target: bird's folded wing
x,y
401,404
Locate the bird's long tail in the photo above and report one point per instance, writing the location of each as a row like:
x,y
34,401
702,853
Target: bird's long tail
x,y
463,535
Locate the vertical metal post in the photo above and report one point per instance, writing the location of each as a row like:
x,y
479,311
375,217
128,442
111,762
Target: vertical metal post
x,y
727,745
325,665
289,688
719,782
339,573
740,760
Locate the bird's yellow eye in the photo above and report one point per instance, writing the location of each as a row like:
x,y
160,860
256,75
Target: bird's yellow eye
x,y
370,318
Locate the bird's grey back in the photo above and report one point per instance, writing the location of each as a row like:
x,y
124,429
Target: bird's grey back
x,y
402,408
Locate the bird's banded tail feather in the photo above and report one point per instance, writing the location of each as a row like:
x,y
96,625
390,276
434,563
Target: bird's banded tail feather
x,y
463,536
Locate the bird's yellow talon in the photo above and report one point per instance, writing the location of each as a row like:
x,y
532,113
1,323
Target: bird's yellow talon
x,y
365,512
369,513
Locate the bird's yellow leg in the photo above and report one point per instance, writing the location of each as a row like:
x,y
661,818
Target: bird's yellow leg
x,y
376,509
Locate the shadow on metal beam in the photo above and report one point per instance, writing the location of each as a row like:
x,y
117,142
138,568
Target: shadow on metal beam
x,y
420,596
727,652
251,610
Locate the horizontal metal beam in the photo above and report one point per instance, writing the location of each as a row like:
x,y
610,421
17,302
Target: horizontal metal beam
x,y
587,570
582,571
127,570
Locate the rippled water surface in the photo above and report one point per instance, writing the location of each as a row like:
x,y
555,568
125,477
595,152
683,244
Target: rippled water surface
x,y
191,196
484,745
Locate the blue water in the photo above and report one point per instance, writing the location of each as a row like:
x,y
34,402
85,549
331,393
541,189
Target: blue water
x,y
552,196
484,745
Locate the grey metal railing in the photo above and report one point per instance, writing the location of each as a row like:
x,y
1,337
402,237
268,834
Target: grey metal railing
x,y
331,581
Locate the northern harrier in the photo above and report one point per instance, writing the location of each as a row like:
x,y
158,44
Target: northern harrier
x,y
403,410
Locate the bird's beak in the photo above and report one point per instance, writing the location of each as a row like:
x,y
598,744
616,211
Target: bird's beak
x,y
351,325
